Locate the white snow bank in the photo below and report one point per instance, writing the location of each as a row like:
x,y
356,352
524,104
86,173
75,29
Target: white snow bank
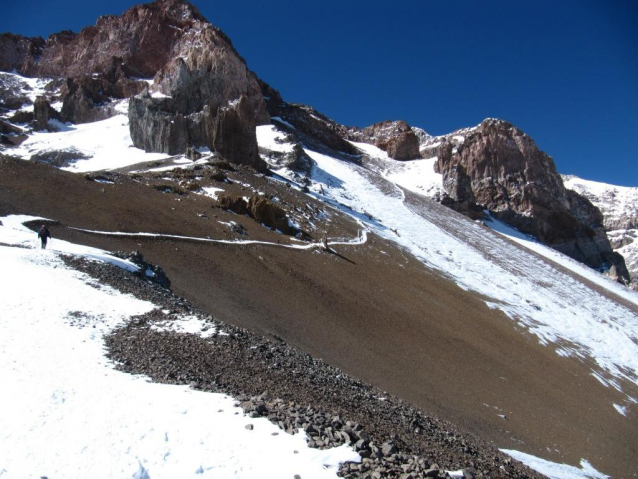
x,y
14,232
554,470
270,138
533,244
107,142
66,412
417,176
212,191
557,308
188,325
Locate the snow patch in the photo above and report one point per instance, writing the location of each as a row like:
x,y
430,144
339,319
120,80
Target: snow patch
x,y
554,470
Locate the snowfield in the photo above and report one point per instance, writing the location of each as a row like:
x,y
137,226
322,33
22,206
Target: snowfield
x,y
66,412
106,143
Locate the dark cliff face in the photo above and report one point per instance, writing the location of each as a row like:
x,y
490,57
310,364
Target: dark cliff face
x,y
500,168
169,41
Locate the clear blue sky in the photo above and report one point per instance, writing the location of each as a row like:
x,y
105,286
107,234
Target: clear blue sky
x,y
564,71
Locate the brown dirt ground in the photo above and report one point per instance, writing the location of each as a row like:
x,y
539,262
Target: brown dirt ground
x,y
374,312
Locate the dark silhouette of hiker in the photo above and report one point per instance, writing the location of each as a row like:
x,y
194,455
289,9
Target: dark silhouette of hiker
x,y
44,236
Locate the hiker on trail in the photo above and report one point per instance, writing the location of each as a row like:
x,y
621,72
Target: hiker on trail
x,y
44,235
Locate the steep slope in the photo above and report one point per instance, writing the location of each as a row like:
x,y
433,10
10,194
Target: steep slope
x,y
619,206
374,309
515,344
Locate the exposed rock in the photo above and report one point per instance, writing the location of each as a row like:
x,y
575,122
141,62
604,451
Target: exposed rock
x,y
307,121
236,204
12,91
396,138
269,214
42,113
8,129
16,51
286,152
499,168
59,158
88,98
619,208
234,134
21,117
148,271
192,153
192,61
155,125
261,210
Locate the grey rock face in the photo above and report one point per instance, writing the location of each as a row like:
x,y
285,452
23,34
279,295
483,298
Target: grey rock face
x,y
499,168
155,126
42,113
619,208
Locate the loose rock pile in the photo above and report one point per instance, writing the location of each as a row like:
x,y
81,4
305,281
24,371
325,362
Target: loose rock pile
x,y
294,390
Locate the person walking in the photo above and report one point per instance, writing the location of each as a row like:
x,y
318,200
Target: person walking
x,y
44,236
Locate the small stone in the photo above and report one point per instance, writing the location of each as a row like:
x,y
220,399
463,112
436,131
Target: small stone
x,y
250,427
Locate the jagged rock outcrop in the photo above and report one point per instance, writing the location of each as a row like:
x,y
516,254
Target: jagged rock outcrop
x,y
16,51
619,208
261,210
215,100
396,138
499,168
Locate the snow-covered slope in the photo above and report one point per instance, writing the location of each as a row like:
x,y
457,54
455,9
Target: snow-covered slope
x,y
66,412
619,206
562,310
559,309
100,145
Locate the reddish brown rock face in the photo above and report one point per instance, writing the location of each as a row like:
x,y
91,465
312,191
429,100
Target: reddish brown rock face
x,y
499,168
190,60
396,138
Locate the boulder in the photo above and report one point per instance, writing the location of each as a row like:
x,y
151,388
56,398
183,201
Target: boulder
x,y
268,213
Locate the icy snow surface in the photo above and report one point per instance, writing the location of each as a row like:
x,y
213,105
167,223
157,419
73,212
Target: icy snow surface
x,y
107,142
269,138
560,310
417,176
554,470
66,412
